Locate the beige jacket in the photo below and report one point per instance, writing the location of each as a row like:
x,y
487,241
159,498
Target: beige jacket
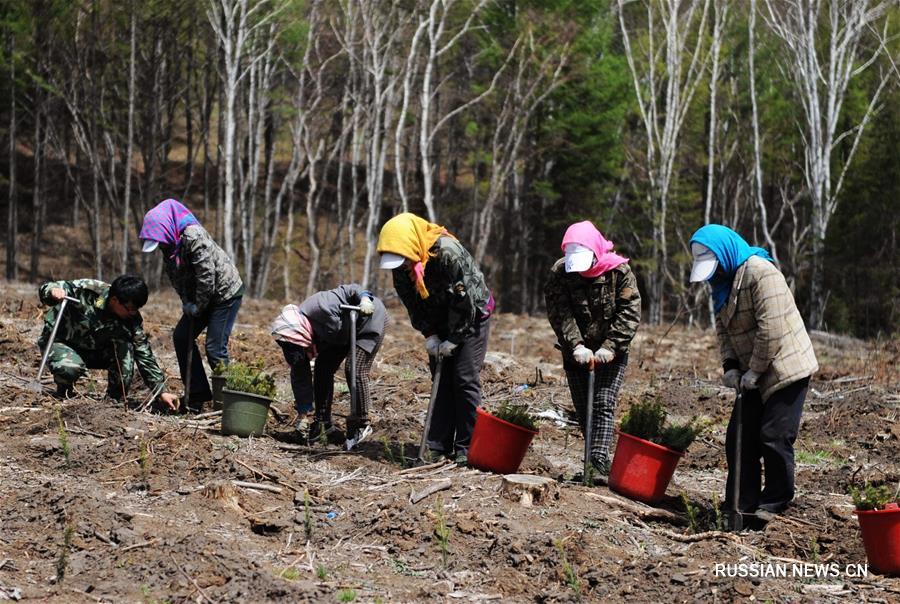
x,y
761,328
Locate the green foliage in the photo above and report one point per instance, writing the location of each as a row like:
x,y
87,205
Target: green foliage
x,y
568,571
873,498
691,511
251,379
321,572
307,515
516,414
220,368
646,419
63,435
680,436
441,530
290,573
62,559
346,595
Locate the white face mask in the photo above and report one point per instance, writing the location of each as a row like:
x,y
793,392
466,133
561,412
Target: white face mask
x,y
578,258
705,262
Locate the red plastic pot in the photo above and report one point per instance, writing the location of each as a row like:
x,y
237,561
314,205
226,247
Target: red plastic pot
x,y
641,469
497,445
881,538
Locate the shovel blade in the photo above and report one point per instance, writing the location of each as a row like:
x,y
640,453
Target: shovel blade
x,y
361,435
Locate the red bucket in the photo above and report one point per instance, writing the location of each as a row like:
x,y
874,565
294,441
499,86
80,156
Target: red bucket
x,y
881,538
497,445
641,469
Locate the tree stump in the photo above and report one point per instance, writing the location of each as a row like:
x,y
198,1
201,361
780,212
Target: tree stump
x,y
528,489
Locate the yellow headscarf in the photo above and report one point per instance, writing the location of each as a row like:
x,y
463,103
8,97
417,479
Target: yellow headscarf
x,y
410,236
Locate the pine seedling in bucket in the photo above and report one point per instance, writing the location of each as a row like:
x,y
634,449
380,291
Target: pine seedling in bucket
x,y
517,414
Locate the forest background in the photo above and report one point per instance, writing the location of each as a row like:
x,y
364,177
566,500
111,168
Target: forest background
x,y
294,129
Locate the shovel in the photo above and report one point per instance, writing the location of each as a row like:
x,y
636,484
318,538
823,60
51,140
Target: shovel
x,y
36,385
355,439
435,384
737,517
589,426
189,367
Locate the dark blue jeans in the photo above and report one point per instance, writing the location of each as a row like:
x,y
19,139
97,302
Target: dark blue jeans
x,y
218,321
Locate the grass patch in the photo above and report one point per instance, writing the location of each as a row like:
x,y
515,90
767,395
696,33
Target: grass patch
x,y
346,595
814,458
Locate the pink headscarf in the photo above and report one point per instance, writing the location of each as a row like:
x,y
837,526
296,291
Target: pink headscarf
x,y
165,222
293,326
586,234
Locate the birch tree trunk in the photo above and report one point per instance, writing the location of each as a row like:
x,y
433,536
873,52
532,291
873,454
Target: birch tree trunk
x,y
664,99
823,49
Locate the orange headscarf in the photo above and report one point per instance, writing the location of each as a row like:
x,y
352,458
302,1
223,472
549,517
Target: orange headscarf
x,y
410,236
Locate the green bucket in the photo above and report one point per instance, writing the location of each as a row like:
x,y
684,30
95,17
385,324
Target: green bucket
x,y
244,414
218,383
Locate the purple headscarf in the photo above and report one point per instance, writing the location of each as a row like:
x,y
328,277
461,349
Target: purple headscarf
x,y
166,222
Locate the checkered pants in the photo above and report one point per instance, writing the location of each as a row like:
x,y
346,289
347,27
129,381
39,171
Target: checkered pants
x,y
608,381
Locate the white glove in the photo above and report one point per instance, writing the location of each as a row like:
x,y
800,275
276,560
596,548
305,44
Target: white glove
x,y
447,348
748,382
604,355
582,354
366,306
732,378
432,344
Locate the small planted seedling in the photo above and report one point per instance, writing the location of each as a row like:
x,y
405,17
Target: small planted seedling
x,y
290,573
307,515
321,573
144,459
346,595
691,511
63,436
62,560
388,452
441,530
717,510
568,571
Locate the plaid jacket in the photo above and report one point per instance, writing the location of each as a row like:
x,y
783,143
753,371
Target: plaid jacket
x,y
761,328
206,275
604,311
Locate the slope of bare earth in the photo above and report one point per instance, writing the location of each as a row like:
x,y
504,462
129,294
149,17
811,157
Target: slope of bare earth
x,y
144,507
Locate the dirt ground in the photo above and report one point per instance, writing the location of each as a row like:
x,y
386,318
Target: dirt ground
x,y
127,506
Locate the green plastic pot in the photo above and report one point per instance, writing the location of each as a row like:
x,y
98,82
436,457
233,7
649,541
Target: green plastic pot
x,y
244,414
218,383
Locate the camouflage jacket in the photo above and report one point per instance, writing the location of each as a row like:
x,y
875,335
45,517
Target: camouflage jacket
x,y
331,325
88,326
603,311
458,295
206,274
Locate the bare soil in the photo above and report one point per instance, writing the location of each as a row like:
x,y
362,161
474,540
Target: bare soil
x,y
126,506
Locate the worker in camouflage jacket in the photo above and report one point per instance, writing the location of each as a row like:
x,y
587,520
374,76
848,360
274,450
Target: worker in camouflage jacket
x,y
208,283
594,306
449,303
103,330
766,355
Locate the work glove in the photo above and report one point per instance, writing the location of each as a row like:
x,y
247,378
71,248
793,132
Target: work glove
x,y
432,344
447,348
366,306
748,382
190,309
732,378
604,355
582,354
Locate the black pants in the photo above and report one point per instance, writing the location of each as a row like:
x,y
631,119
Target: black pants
x,y
317,384
218,320
768,434
459,393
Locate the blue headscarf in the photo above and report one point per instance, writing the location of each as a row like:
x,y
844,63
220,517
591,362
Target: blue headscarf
x,y
731,251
